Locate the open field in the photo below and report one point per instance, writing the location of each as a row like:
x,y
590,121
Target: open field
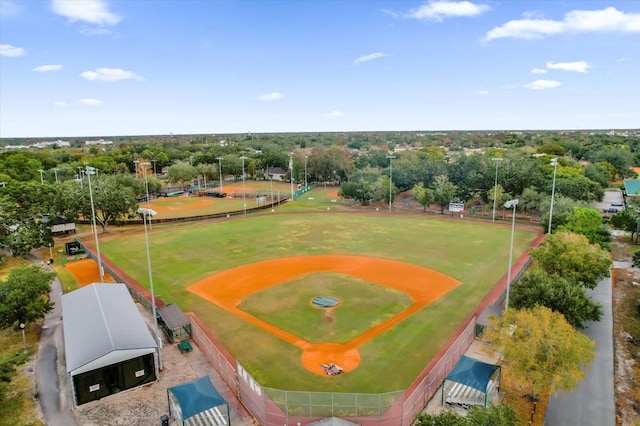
x,y
471,253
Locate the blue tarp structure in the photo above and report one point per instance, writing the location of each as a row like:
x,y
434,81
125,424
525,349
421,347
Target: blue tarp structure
x,y
471,375
196,397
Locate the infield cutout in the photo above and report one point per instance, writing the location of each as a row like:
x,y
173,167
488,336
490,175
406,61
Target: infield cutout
x,y
226,289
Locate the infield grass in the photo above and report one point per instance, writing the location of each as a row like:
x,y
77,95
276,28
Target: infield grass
x,y
476,254
363,306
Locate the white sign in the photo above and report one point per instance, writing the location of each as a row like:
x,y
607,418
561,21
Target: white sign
x,y
94,388
139,373
456,207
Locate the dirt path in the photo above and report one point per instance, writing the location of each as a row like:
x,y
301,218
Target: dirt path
x,y
227,288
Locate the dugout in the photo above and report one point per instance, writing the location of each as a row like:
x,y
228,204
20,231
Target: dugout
x,y
471,382
198,402
174,323
108,345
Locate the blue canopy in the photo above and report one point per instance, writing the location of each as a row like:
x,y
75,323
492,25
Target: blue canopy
x,y
196,396
473,373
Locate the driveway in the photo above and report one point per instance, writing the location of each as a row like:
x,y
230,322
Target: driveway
x,y
592,402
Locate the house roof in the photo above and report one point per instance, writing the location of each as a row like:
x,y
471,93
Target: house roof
x,y
632,186
173,316
102,326
196,396
473,373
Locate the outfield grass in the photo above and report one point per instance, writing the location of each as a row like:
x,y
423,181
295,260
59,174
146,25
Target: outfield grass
x,y
476,254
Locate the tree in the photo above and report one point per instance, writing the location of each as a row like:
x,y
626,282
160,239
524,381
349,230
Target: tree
x,y
112,200
493,415
571,256
422,195
24,295
627,220
556,293
541,349
587,221
443,191
181,172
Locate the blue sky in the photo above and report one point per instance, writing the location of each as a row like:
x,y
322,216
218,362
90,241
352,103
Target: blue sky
x,y
136,67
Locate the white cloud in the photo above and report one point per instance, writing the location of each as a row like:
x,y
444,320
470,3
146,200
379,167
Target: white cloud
x,y
482,92
94,31
91,11
60,104
543,84
10,8
578,66
439,10
622,59
10,51
605,20
109,74
47,68
334,114
273,96
369,57
509,87
539,71
90,102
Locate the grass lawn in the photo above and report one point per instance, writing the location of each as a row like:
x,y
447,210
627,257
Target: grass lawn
x,y
476,254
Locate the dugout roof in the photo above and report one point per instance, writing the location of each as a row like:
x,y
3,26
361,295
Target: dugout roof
x,y
173,316
632,187
196,396
102,326
473,373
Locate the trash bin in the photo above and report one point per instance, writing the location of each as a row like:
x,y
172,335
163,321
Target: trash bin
x,y
164,420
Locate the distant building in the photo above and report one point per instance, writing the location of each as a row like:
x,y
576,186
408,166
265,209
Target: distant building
x,y
275,173
98,142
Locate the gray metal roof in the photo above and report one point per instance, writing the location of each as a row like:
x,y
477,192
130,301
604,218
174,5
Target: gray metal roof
x,y
173,316
102,326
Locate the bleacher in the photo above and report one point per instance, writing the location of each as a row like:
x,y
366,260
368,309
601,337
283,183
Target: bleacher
x,y
212,416
464,396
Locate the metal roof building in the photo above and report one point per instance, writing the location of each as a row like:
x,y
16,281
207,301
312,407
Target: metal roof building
x,y
108,346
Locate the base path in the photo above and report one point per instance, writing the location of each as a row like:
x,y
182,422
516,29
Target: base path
x,y
226,289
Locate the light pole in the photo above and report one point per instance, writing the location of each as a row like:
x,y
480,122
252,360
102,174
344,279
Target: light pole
x,y
24,339
220,170
146,215
89,172
305,172
291,172
554,163
135,166
81,176
41,178
495,189
55,172
244,193
50,254
390,157
509,204
144,166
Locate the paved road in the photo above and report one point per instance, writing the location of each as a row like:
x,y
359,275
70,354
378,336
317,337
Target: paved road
x,y
592,402
56,408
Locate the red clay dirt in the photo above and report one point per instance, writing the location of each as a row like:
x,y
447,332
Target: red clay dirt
x,y
227,288
86,272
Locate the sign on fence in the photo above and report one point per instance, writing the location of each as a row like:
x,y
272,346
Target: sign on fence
x,y
456,207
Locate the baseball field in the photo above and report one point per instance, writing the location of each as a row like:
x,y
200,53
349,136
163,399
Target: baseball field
x,y
401,284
